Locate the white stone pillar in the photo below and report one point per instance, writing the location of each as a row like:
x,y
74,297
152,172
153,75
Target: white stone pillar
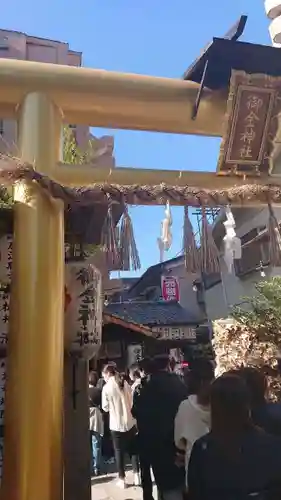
x,y
273,12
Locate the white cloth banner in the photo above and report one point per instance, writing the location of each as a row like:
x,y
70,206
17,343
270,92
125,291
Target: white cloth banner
x,y
83,309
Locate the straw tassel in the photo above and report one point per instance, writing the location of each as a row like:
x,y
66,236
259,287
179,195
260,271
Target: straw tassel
x,y
191,254
209,254
274,238
109,241
129,255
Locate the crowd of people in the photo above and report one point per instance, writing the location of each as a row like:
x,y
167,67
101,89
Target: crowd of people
x,y
202,438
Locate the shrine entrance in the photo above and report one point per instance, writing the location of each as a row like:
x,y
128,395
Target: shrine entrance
x,y
43,96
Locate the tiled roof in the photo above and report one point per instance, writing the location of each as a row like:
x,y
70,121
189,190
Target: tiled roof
x,y
123,294
153,313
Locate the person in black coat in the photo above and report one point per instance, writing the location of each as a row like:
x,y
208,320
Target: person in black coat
x,y
155,408
145,368
264,414
236,460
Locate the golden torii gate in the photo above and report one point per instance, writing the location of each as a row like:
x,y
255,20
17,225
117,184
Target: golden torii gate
x,y
41,97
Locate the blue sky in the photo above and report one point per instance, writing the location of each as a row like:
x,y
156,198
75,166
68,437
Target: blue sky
x,y
153,37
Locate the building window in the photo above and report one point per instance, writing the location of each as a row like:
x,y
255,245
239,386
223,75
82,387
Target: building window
x,y
4,43
1,127
210,280
253,254
198,288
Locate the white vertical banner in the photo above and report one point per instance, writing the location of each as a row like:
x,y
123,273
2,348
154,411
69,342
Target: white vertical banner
x,y
83,309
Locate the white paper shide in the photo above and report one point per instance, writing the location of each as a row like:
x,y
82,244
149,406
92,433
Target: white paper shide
x,y
232,244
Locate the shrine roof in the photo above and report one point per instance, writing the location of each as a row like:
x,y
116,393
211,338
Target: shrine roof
x,y
153,313
225,55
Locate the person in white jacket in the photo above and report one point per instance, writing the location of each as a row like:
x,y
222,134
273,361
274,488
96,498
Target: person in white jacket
x,y
193,418
117,400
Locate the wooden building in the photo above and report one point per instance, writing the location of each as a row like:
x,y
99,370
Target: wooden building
x,y
122,341
136,329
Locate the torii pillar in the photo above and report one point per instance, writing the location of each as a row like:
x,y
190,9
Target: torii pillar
x,y
34,397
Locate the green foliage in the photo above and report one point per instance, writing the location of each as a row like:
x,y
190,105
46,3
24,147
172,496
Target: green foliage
x,y
6,197
252,337
71,152
263,311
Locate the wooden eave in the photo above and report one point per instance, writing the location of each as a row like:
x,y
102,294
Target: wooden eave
x,y
116,320
226,55
232,34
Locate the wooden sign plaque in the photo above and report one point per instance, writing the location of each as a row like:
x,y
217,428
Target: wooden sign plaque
x,y
251,124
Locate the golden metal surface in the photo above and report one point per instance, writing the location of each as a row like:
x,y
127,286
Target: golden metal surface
x,y
33,409
111,99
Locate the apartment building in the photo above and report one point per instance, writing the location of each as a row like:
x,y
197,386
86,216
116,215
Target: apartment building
x,y
17,45
225,290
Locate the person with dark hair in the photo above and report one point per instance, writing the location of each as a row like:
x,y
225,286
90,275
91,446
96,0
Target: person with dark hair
x,y
117,401
193,417
96,423
155,409
161,363
235,460
101,381
96,431
263,414
94,391
135,376
93,378
145,368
